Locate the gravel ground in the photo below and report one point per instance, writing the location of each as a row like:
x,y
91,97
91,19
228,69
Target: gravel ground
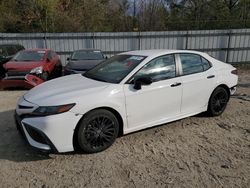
x,y
194,152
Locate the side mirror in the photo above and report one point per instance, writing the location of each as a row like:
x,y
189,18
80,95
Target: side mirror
x,y
68,58
142,81
106,57
48,60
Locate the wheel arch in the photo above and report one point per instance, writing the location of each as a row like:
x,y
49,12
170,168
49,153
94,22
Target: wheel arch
x,y
225,87
112,110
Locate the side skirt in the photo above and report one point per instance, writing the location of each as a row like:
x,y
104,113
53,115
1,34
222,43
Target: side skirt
x,y
163,121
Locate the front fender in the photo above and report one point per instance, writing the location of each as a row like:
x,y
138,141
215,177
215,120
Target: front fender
x,y
113,98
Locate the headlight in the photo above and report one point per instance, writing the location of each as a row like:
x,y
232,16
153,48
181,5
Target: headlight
x,y
37,70
51,110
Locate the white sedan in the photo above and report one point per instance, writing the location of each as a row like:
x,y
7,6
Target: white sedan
x,y
126,93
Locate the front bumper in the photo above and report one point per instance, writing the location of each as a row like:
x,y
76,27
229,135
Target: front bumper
x,y
29,81
233,90
34,137
52,133
14,84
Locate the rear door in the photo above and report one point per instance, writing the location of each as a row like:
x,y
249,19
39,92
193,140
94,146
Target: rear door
x,y
198,79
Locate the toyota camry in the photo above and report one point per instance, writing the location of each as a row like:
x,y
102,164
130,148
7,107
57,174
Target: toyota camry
x,y
126,93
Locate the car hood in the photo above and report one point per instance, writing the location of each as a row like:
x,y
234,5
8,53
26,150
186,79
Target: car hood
x,y
22,65
64,90
83,64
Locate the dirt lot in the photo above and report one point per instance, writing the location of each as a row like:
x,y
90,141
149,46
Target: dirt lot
x,y
193,152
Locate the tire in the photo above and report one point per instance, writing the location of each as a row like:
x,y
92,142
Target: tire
x,y
218,101
98,131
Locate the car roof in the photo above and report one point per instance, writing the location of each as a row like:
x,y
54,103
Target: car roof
x,y
158,52
88,49
37,49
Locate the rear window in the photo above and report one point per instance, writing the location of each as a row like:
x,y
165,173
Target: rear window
x,y
87,55
29,56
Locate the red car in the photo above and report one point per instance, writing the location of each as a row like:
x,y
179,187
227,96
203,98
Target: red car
x,y
29,68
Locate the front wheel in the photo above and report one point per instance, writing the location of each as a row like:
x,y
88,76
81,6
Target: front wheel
x,y
218,101
98,131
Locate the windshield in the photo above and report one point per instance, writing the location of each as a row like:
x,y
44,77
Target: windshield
x,y
87,55
29,56
114,69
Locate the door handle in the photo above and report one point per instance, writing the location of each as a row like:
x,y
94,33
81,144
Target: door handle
x,y
175,84
211,76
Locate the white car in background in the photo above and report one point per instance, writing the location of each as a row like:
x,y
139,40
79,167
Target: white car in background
x,y
126,93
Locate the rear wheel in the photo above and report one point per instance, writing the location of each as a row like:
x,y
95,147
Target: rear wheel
x,y
98,131
218,101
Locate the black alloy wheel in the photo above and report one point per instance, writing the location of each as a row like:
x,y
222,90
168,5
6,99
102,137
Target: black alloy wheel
x,y
98,131
218,101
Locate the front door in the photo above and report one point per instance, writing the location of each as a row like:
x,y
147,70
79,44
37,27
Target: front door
x,y
157,102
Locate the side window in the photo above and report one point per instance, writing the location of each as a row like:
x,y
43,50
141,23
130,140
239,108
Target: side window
x,y
205,63
158,69
191,63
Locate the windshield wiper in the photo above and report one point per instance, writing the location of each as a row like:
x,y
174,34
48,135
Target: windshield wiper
x,y
82,59
94,78
98,79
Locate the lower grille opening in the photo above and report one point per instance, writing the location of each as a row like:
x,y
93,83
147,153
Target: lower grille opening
x,y
35,134
17,73
25,107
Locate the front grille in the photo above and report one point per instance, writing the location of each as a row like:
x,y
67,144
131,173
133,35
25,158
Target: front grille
x,y
15,78
35,134
17,73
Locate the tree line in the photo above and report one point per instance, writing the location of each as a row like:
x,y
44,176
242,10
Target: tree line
x,y
122,15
